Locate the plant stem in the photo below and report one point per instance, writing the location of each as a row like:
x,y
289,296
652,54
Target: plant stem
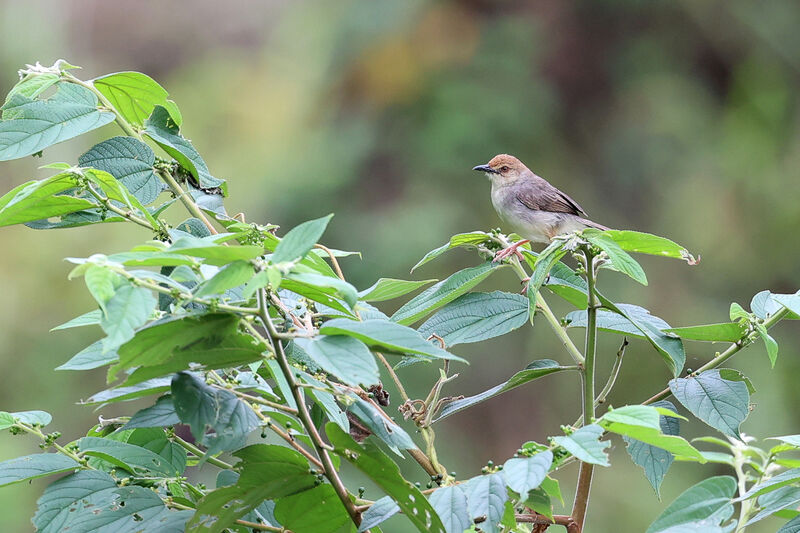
x,y
188,446
601,398
555,324
121,212
732,350
392,373
186,199
35,431
586,470
305,416
288,438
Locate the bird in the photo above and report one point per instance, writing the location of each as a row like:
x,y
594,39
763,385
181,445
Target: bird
x,y
532,207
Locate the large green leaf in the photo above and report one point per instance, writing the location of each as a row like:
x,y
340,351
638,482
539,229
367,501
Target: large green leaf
x,y
300,240
486,497
642,422
726,332
719,402
33,84
92,501
317,510
135,459
130,161
533,371
159,415
34,466
30,126
38,418
646,243
443,293
368,458
134,95
217,418
309,284
380,511
213,250
267,472
121,394
90,318
477,316
778,500
791,476
655,461
346,358
382,427
164,130
36,200
523,474
462,239
386,335
792,526
389,288
542,264
618,257
228,277
452,507
708,500
129,308
585,444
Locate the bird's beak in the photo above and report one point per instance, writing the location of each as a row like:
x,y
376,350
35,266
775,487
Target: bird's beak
x,y
485,168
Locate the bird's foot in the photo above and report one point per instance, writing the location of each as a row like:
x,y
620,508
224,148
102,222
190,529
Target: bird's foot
x,y
506,252
524,285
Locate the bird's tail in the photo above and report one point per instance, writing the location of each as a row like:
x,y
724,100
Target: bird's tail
x,y
589,224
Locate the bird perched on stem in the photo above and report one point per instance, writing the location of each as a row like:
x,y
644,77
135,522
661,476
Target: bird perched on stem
x,y
531,206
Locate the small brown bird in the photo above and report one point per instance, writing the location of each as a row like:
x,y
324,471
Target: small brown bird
x,y
531,206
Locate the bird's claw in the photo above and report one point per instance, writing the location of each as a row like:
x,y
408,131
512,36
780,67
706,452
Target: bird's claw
x,y
506,252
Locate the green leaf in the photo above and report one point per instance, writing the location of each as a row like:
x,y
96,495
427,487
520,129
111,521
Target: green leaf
x,y
655,461
228,277
6,420
135,459
211,340
619,258
93,356
34,466
383,428
300,240
92,501
346,358
585,444
523,474
790,302
277,470
87,319
317,510
669,347
642,422
462,239
134,95
389,288
737,312
721,403
646,243
30,126
477,316
299,282
708,500
386,335
777,500
443,293
565,283
486,496
451,505
33,84
787,477
368,458
122,394
219,509
792,526
380,511
40,418
769,343
159,415
212,250
102,284
130,161
542,264
217,418
129,308
164,130
533,371
155,440
725,332
36,200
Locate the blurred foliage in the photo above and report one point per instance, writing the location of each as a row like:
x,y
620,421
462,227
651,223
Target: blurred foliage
x,y
679,118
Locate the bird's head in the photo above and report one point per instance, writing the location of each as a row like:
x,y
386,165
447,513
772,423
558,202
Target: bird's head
x,y
503,168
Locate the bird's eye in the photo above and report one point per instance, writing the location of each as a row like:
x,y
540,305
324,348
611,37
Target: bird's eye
x,y
504,168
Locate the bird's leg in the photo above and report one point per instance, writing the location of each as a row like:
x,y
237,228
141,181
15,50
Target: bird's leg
x,y
505,252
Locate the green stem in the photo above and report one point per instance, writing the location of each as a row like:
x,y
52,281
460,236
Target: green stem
x,y
189,447
555,324
585,475
36,431
121,212
732,350
305,417
186,199
601,398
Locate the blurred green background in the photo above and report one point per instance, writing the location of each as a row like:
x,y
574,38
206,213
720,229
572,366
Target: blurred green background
x,y
678,118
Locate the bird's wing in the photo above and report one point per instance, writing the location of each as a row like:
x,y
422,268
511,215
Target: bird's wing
x,y
541,196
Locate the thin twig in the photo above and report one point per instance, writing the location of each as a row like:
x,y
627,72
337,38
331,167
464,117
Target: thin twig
x,y
288,438
334,261
188,446
601,398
